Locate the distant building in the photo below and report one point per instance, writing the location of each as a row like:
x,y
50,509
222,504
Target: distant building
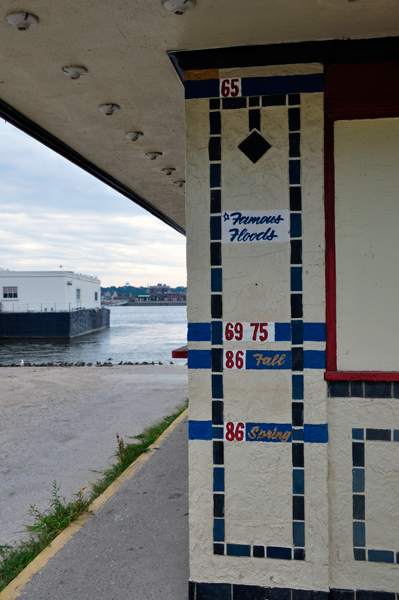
x,y
50,304
48,291
161,293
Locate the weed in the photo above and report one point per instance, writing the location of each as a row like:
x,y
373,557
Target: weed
x,y
49,523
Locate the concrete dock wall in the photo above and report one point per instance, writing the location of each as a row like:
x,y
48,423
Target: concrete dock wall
x,y
53,325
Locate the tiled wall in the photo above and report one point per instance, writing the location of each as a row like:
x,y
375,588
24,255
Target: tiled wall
x,y
260,411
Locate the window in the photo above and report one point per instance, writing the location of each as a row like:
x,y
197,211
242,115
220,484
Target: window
x,y
78,294
362,219
95,296
10,292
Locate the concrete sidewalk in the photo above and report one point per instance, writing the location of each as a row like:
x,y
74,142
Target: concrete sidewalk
x,y
136,546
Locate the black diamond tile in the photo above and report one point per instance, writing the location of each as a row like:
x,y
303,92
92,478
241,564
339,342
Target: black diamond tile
x,y
254,146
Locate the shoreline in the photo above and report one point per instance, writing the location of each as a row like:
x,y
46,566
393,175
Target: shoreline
x,y
144,304
65,364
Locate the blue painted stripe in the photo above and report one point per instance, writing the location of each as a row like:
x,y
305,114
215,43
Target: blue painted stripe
x,y
314,359
198,332
286,84
316,434
200,430
268,359
199,359
256,86
282,332
314,332
206,88
268,432
262,432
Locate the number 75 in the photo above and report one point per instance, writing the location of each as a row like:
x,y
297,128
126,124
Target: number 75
x,y
260,332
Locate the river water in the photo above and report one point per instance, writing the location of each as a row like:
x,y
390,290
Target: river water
x,y
137,334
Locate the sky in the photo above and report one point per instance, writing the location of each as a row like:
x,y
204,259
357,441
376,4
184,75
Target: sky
x,y
54,214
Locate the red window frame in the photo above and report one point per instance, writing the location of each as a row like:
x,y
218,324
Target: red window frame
x,y
352,91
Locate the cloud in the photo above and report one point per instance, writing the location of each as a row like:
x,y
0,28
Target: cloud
x,y
52,213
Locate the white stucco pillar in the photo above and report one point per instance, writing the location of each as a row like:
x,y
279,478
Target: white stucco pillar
x,y
256,310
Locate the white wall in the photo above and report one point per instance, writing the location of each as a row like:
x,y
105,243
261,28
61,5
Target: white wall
x,y
48,291
367,245
256,288
258,493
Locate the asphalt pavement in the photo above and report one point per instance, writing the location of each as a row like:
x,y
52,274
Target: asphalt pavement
x,y
136,546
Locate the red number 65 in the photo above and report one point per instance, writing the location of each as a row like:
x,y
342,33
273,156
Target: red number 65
x,y
230,87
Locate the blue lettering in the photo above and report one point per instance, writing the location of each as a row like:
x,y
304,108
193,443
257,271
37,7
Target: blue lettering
x,y
245,236
234,233
271,236
236,216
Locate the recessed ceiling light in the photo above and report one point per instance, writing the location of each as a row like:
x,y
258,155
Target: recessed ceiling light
x,y
168,170
179,183
74,72
134,135
109,109
153,155
179,7
22,20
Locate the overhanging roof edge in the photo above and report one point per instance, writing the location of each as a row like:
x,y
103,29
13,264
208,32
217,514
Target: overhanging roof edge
x,y
11,115
322,51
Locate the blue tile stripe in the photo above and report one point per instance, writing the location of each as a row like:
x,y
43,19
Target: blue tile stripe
x,y
282,332
296,331
312,332
261,359
263,432
258,86
199,359
316,434
314,359
267,359
198,332
200,430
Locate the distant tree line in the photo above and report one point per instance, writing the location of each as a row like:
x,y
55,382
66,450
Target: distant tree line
x,y
135,291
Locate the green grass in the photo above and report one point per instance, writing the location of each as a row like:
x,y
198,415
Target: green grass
x,y
49,523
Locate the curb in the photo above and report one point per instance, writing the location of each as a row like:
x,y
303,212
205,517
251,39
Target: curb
x,y
16,586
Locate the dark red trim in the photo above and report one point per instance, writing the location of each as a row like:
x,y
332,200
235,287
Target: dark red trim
x,y
352,91
331,303
180,352
361,376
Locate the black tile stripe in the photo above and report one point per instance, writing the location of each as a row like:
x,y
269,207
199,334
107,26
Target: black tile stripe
x,y
360,551
363,389
215,156
234,591
298,460
216,301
